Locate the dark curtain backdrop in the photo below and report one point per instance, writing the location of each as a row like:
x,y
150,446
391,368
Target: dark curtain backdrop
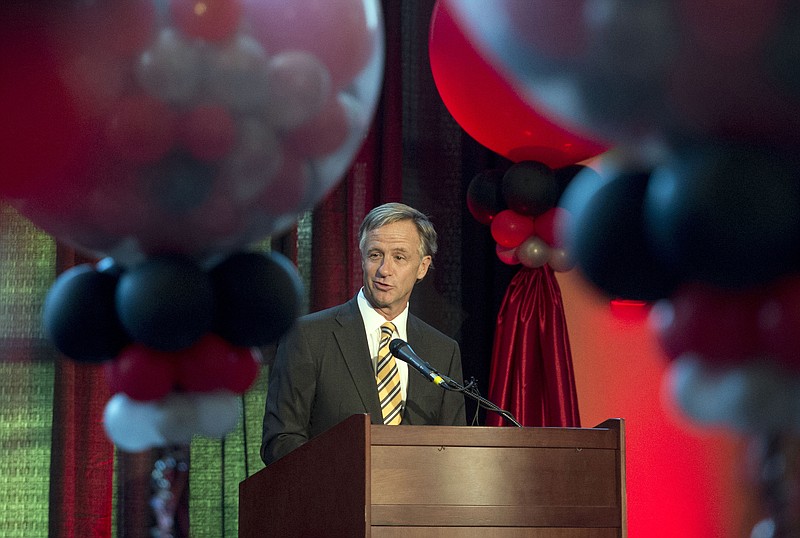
x,y
415,153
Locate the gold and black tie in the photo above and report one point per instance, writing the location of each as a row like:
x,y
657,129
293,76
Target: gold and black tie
x,y
388,378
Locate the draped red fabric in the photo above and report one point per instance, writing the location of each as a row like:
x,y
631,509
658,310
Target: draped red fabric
x,y
531,372
82,458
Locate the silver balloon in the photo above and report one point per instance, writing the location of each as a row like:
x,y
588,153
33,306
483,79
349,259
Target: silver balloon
x,y
533,252
560,260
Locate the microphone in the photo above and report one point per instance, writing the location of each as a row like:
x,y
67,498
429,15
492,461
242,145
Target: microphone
x,y
400,349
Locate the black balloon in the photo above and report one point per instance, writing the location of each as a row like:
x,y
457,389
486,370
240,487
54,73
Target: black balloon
x,y
530,188
165,302
257,298
606,237
109,265
726,216
484,195
79,315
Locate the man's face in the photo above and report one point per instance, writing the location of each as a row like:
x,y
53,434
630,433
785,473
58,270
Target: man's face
x,y
391,265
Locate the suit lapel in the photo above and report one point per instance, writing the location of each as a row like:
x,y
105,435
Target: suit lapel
x,y
355,353
416,382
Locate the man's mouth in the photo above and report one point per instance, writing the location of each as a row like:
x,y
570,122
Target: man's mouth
x,y
381,286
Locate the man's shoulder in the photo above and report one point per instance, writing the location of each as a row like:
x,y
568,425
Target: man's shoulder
x,y
431,333
338,312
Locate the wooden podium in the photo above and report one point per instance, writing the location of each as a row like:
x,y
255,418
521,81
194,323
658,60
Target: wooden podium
x,y
363,480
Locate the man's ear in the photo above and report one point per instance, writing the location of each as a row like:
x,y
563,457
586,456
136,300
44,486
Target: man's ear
x,y
423,267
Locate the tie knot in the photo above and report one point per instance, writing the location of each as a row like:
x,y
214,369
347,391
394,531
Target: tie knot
x,y
387,330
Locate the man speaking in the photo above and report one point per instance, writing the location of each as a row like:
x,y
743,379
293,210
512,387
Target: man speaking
x,y
337,362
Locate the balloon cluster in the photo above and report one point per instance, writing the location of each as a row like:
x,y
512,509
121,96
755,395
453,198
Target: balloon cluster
x,y
178,343
684,236
697,208
166,137
138,127
519,205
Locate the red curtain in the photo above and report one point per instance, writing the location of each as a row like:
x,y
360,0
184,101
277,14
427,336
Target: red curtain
x,y
531,373
81,458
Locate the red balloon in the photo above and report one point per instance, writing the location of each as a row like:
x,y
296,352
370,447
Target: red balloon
x,y
510,229
507,255
323,133
212,20
546,225
142,373
719,325
214,364
490,109
243,372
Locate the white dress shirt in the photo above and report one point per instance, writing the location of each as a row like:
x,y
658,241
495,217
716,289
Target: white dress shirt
x,y
372,324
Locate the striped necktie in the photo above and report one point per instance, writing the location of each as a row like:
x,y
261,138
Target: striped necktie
x,y
388,378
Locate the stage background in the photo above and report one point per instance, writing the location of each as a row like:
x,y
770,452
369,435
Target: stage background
x,y
59,475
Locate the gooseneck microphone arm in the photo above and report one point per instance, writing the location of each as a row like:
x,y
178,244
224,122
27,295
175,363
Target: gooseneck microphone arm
x,y
401,350
483,402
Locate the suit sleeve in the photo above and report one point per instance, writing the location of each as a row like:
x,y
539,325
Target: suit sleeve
x,y
290,395
453,411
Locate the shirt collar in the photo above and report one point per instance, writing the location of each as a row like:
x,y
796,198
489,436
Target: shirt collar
x,y
373,320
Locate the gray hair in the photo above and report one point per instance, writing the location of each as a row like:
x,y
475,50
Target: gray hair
x,y
394,212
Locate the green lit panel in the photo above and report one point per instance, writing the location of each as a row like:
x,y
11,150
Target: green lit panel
x,y
27,270
26,399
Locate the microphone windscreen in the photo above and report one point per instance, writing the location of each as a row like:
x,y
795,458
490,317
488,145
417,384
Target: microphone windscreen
x,y
395,345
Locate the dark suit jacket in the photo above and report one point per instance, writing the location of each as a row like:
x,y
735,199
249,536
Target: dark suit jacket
x,y
323,374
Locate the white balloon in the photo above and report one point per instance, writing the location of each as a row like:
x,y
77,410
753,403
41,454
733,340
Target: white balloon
x,y
131,425
217,413
177,418
237,74
753,397
171,69
254,161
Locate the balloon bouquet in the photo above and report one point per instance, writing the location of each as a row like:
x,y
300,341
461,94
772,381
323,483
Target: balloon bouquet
x,y
518,202
697,209
165,138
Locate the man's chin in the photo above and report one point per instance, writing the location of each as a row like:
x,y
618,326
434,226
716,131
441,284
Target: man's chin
x,y
378,299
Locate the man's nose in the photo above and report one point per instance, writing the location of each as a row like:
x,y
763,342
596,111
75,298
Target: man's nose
x,y
385,268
